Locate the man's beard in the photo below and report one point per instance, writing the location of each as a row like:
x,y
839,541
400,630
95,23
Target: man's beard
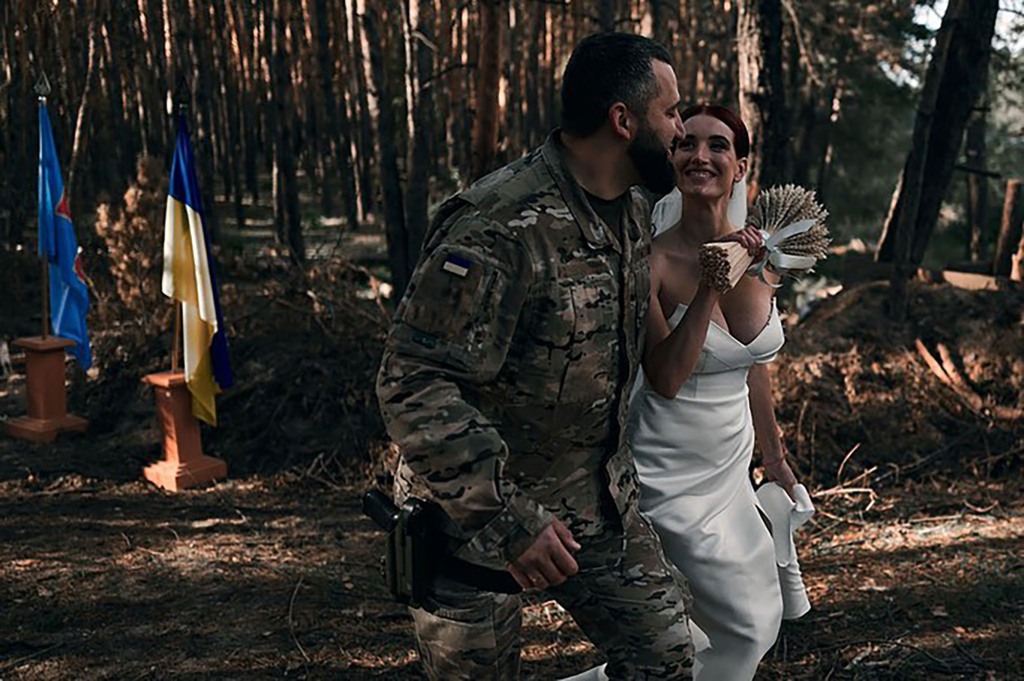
x,y
650,157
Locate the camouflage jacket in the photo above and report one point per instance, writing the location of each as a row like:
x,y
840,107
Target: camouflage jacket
x,y
506,376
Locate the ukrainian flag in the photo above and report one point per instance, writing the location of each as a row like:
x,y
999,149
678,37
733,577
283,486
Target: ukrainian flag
x,y
189,278
69,296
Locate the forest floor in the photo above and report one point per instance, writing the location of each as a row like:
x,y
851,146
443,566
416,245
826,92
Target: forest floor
x,y
914,561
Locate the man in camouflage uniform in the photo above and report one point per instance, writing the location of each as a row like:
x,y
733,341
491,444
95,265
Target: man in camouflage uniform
x,y
506,377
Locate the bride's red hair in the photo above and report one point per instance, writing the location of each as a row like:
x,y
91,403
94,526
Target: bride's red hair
x,y
741,138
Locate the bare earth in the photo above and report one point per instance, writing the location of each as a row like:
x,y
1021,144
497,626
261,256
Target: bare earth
x,y
103,576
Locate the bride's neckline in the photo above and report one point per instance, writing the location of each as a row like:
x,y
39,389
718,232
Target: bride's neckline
x,y
725,332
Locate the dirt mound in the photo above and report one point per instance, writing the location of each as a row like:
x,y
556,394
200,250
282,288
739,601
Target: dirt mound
x,y
942,391
304,347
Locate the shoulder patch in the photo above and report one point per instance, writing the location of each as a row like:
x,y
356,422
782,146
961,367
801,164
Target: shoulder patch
x,y
457,265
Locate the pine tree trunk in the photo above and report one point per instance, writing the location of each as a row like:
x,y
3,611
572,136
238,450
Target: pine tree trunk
x,y
534,79
827,151
230,62
762,100
1010,228
280,111
977,186
394,208
417,194
954,81
78,146
366,143
199,57
336,117
485,125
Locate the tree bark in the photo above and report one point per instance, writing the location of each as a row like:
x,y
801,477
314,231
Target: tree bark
x,y
78,146
423,121
953,83
977,186
366,143
485,125
762,99
336,117
286,194
1010,228
394,204
1017,271
827,150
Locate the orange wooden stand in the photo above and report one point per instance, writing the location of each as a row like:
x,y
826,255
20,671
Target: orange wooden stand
x,y
44,392
184,464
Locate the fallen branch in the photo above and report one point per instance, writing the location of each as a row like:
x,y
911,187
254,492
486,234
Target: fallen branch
x,y
291,622
947,665
937,518
975,509
843,491
839,473
13,664
947,373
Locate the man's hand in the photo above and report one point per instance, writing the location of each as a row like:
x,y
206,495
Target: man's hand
x,y
547,562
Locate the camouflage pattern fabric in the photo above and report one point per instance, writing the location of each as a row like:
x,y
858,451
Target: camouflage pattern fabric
x,y
506,376
626,598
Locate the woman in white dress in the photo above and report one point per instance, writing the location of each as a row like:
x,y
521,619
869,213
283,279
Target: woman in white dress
x,y
705,399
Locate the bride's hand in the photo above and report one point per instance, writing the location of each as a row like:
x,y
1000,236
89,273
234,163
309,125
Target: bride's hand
x,y
779,471
748,237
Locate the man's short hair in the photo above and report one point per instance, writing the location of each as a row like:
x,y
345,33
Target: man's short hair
x,y
606,68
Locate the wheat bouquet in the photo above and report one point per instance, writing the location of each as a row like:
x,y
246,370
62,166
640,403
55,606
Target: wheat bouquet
x,y
792,223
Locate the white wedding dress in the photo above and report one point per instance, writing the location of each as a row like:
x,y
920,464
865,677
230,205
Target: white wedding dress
x,y
693,453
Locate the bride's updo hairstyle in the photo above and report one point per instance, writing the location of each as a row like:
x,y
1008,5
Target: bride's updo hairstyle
x,y
741,138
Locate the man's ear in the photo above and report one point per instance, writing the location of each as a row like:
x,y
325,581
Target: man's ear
x,y
622,121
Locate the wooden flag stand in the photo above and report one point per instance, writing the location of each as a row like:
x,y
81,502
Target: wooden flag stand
x,y
184,464
44,367
44,392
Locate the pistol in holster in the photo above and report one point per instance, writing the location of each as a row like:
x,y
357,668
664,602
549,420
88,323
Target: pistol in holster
x,y
418,552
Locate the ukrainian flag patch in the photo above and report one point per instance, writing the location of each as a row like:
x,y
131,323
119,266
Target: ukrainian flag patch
x,y
457,265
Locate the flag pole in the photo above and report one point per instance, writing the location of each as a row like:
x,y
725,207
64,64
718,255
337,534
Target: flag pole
x,y
46,298
176,347
181,101
42,89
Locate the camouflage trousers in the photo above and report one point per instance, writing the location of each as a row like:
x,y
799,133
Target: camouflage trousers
x,y
627,598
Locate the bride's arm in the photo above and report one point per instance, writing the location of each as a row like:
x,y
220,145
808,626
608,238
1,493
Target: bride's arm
x,y
766,429
670,355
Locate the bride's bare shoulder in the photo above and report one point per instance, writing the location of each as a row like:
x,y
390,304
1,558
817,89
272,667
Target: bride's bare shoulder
x,y
666,250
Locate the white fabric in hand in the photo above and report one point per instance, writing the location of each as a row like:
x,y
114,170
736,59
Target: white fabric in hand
x,y
786,515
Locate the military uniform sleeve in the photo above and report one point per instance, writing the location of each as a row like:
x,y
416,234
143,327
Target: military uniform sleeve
x,y
451,336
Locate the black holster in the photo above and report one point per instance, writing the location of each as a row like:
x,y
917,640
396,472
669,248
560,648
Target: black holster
x,y
418,552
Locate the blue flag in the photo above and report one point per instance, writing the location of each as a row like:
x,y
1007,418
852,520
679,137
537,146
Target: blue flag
x,y
69,296
189,277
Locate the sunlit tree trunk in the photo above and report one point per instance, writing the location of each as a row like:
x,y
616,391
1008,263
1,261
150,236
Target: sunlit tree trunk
x,y
953,83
